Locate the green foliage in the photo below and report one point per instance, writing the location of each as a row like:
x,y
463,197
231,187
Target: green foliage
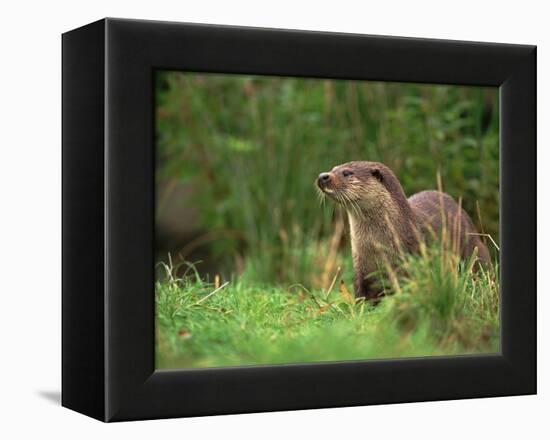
x,y
437,306
251,147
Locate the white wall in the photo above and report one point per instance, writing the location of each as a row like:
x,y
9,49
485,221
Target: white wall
x,y
30,182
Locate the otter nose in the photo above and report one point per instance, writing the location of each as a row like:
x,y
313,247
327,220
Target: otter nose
x,y
323,178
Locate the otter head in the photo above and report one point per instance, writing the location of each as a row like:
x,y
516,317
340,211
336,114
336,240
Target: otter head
x,y
360,185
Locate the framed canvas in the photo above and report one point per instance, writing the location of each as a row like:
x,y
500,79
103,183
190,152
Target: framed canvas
x,y
199,277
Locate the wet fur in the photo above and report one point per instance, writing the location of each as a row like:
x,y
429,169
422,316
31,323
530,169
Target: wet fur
x,y
427,206
384,223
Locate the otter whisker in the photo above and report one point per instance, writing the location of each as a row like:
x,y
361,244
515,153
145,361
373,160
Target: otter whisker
x,y
348,202
321,197
353,205
345,200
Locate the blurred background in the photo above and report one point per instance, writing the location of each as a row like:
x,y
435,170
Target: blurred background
x,y
237,157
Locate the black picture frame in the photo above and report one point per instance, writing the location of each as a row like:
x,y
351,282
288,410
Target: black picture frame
x,y
108,219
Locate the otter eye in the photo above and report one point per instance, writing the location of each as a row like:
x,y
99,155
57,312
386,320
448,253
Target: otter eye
x,y
347,173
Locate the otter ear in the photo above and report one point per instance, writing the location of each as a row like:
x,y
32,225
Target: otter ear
x,y
378,174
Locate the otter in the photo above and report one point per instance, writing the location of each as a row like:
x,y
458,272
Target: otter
x,y
384,222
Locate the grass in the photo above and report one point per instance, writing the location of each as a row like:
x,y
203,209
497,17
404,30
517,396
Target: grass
x,y
437,306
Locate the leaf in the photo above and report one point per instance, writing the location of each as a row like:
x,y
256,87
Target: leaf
x,y
184,333
322,310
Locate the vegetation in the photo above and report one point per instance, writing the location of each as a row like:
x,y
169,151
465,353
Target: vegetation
x,y
437,308
250,148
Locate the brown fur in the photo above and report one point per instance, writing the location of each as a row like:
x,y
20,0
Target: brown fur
x,y
384,223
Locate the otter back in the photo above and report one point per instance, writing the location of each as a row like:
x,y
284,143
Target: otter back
x,y
435,210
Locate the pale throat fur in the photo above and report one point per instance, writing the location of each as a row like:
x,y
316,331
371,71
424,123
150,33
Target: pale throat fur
x,y
375,230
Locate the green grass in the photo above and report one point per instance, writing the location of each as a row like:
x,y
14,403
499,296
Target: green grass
x,y
436,307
